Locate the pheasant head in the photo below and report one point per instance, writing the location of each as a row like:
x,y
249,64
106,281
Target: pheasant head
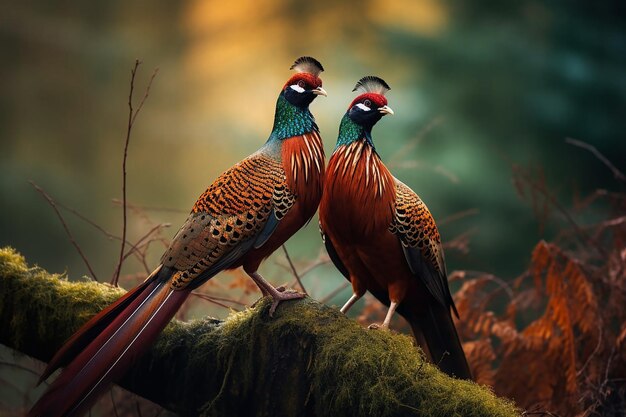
x,y
364,111
292,117
301,89
371,105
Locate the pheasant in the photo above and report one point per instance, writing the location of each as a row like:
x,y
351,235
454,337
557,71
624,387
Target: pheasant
x,y
247,213
382,237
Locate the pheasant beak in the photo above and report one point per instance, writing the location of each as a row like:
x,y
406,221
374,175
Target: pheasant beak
x,y
319,91
386,110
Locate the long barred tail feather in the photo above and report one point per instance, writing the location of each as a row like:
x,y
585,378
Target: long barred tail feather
x,y
129,327
90,330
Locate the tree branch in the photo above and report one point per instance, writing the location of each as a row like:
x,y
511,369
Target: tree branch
x,y
308,360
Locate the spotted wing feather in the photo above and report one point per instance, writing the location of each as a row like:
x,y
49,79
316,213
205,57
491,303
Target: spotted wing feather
x,y
240,210
415,227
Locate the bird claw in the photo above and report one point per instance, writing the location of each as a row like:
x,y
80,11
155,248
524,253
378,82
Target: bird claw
x,y
281,288
284,296
376,326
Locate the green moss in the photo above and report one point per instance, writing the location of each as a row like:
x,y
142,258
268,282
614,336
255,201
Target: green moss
x,y
55,298
307,360
352,371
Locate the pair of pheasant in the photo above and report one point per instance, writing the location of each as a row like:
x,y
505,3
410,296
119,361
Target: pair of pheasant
x,y
377,231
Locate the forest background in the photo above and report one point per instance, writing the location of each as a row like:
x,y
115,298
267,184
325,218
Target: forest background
x,y
499,108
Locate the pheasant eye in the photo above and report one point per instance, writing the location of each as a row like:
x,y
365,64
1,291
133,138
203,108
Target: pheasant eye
x,y
301,84
368,103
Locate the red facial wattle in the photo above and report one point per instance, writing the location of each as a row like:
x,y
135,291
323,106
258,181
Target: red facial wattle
x,y
311,81
377,100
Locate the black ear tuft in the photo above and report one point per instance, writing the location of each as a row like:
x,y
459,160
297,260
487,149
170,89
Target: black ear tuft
x,y
307,64
372,84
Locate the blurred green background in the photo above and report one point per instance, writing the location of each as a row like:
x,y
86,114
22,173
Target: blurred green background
x,y
477,87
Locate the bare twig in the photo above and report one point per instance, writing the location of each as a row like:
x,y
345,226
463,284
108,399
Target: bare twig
x,y
595,351
150,208
134,248
413,164
614,222
140,249
550,198
493,278
131,118
212,300
452,177
88,221
616,172
67,229
334,292
219,298
228,300
293,269
322,259
313,265
460,242
457,216
132,115
138,246
410,145
319,262
397,159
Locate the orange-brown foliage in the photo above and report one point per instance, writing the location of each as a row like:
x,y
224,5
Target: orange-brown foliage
x,y
558,343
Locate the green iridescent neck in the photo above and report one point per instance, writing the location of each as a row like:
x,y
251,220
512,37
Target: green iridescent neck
x,y
290,120
349,131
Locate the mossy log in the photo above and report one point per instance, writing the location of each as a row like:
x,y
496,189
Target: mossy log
x,y
309,360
